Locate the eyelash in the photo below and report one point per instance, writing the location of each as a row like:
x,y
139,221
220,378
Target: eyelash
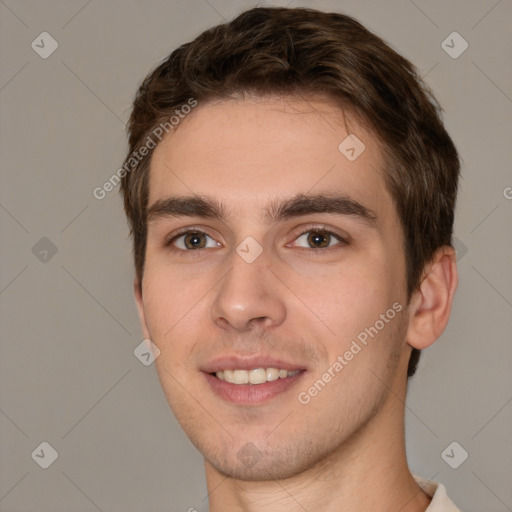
x,y
321,229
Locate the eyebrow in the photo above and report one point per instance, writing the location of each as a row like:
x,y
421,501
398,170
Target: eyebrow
x,y
278,209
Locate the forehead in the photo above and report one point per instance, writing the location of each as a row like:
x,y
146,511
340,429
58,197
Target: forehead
x,y
246,151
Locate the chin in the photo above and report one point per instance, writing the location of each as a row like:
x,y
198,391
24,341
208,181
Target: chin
x,y
272,463
265,469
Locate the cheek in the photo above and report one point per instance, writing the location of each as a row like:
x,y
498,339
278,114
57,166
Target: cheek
x,y
173,309
350,298
363,306
169,296
360,362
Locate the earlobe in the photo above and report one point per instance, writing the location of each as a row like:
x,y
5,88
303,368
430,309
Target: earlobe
x,y
431,303
137,292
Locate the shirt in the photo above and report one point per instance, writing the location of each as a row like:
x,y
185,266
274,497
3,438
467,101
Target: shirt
x,y
440,501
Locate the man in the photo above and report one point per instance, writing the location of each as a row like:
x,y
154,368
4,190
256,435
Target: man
x,y
290,189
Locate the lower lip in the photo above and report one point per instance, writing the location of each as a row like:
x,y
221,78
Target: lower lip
x,y
251,394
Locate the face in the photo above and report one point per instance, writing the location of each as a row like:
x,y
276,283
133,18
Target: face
x,y
280,319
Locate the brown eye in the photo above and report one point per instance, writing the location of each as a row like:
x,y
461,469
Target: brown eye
x,y
193,240
318,239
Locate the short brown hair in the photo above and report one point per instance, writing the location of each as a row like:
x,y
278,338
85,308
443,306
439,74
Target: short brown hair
x,y
295,51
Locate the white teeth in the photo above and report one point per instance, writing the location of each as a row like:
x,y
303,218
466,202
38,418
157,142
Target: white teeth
x,y
272,374
258,376
240,377
254,376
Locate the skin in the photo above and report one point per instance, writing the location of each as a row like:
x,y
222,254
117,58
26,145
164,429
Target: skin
x,y
346,447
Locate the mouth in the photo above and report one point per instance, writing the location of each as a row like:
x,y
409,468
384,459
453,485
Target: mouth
x,y
256,376
251,381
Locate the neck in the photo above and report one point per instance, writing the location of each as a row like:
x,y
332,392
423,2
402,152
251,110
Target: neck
x,y
368,471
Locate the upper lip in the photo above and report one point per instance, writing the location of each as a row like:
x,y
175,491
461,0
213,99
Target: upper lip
x,y
249,363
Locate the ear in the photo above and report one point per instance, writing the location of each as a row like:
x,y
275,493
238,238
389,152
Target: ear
x,y
137,291
431,303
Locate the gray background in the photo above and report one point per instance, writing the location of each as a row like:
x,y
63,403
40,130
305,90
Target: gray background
x,y
69,327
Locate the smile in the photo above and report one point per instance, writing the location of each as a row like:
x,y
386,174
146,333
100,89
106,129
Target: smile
x,y
254,376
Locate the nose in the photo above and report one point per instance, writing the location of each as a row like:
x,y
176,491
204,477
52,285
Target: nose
x,y
249,294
